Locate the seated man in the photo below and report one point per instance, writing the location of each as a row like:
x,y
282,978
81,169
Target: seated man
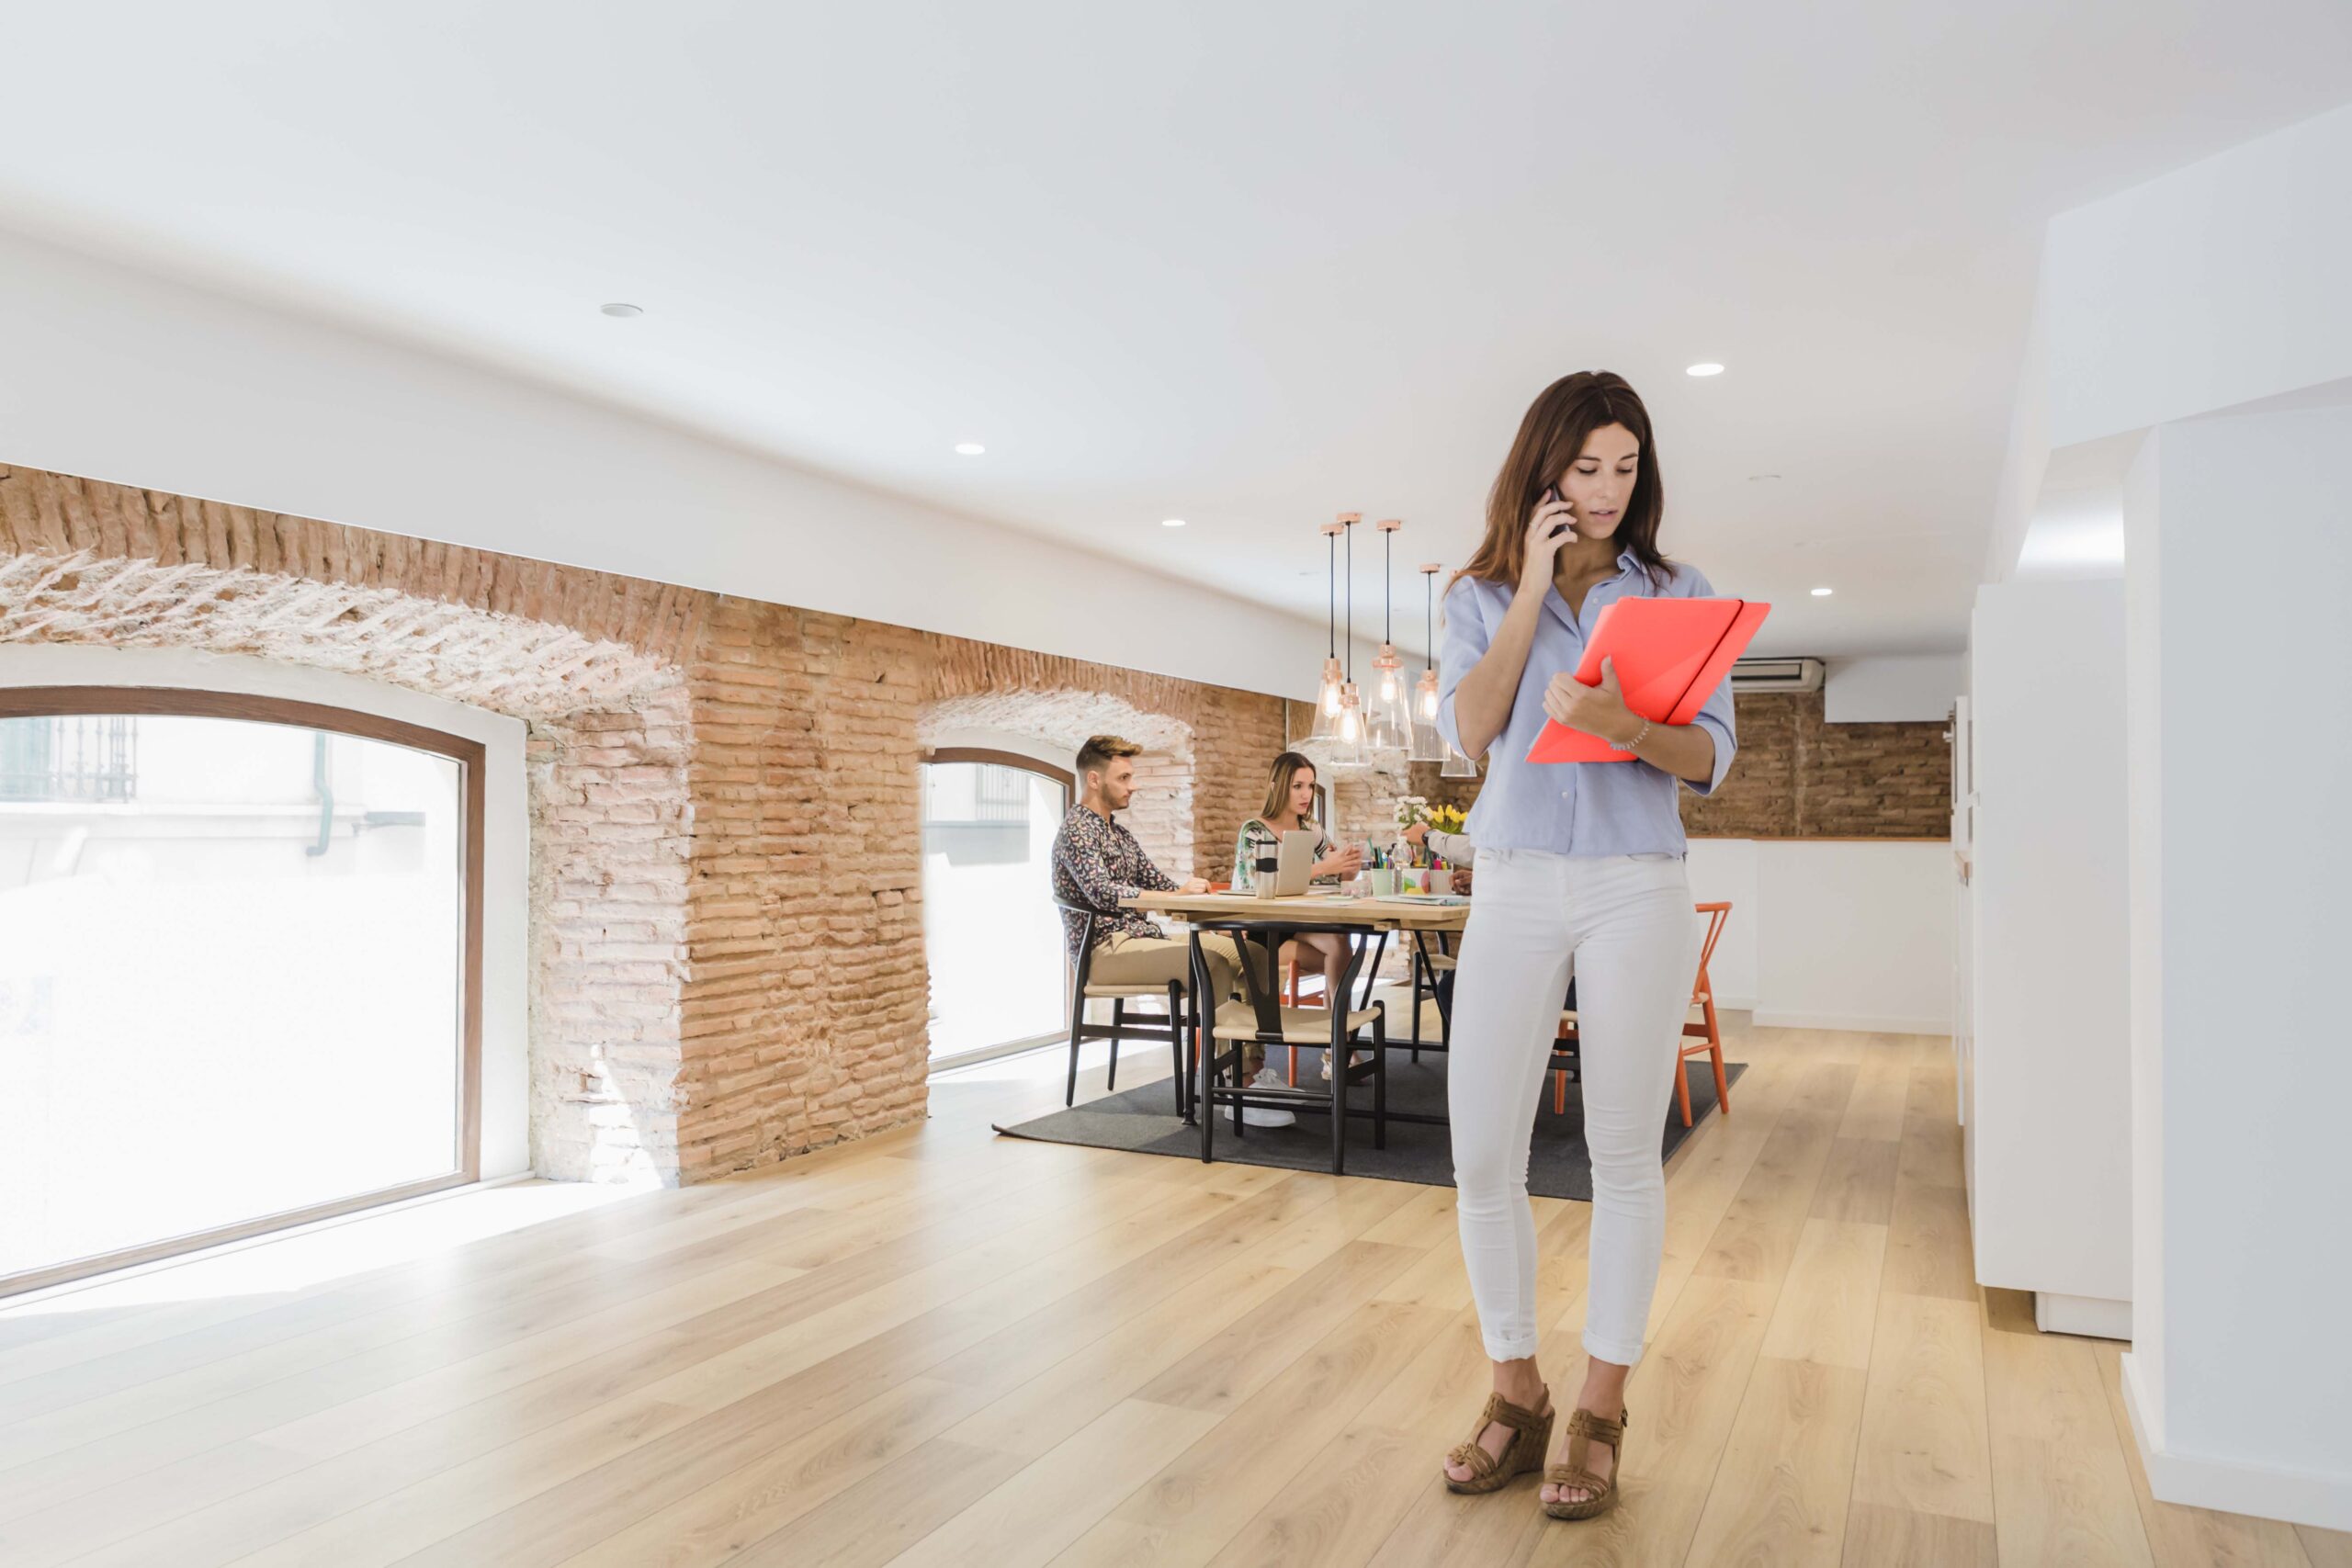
x,y
1097,863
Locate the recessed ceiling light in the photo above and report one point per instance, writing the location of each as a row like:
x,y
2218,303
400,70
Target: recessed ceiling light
x,y
1759,479
616,309
1172,521
1706,368
1823,592
969,448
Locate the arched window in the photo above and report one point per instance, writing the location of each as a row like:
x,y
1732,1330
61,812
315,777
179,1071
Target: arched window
x,y
993,943
239,969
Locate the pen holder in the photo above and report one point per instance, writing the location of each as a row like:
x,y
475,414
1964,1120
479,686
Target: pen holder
x,y
1383,882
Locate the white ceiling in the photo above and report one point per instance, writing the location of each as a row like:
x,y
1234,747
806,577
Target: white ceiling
x,y
1245,265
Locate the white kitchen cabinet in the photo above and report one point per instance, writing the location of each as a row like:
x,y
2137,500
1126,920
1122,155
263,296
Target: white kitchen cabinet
x,y
2044,1036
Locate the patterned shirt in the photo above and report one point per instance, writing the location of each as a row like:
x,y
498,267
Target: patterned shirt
x,y
1097,863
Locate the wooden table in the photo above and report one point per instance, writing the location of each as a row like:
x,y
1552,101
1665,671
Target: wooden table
x,y
1313,908
1273,920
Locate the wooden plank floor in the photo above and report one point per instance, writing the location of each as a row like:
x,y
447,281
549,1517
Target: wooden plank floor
x,y
944,1347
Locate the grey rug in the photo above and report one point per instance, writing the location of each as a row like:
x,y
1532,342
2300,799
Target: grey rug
x,y
1144,1120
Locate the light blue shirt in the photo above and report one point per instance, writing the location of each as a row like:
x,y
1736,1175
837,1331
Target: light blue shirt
x,y
1568,808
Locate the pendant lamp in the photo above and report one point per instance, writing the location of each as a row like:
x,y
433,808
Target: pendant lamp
x,y
1390,725
1326,694
1428,746
1348,738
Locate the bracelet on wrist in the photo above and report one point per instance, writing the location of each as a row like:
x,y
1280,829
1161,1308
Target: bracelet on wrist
x,y
1639,736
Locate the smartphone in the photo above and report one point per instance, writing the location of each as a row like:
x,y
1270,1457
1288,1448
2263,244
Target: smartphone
x,y
1566,526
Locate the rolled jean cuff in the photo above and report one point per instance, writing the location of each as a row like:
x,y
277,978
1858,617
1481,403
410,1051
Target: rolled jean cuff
x,y
1619,1354
1511,1351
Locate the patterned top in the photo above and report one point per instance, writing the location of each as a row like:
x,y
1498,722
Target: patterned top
x,y
1258,841
1097,863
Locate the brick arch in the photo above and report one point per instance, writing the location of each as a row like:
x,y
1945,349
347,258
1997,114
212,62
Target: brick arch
x,y
593,668
1162,817
1233,736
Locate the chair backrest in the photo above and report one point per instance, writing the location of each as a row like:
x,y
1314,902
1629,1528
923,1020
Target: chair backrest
x,y
1083,969
1716,915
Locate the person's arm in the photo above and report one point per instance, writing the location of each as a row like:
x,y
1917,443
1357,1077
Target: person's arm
x,y
1480,671
1714,719
1455,849
1334,862
1685,750
1699,753
1085,859
1158,881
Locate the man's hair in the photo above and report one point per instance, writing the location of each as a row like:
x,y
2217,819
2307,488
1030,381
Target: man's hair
x,y
1096,754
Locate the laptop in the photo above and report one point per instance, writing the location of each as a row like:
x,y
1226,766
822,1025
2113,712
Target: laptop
x,y
1293,872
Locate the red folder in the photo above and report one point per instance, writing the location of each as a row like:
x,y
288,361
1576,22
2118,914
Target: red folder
x,y
1671,656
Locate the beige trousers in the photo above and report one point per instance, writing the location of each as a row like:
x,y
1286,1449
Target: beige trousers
x,y
1156,960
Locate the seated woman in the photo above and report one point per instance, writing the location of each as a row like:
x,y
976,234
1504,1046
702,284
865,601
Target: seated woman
x,y
1290,802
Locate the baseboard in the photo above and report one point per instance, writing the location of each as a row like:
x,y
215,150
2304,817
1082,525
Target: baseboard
x,y
1858,1022
2094,1315
2300,1496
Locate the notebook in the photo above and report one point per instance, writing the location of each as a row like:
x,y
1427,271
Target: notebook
x,y
1670,655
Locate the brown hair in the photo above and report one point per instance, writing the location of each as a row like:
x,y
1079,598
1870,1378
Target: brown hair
x,y
1551,437
1096,754
1286,767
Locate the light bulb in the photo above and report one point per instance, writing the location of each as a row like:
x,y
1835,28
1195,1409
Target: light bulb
x,y
1388,688
1429,703
1330,699
1348,725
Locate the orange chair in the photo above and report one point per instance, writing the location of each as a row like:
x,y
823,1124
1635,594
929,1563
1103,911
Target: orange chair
x,y
1708,1032
1292,997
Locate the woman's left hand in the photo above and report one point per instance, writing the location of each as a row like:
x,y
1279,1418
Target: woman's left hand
x,y
1597,710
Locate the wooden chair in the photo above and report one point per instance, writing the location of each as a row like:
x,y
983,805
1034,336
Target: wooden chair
x,y
1176,1029
1261,1019
1293,997
1707,1032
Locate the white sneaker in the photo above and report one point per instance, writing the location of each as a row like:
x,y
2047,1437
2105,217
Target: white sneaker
x,y
1267,1115
1355,1059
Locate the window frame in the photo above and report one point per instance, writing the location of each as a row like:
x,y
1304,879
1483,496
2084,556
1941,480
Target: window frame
x,y
1067,779
470,756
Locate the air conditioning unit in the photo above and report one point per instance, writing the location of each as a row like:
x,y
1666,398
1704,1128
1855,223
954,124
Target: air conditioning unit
x,y
1777,675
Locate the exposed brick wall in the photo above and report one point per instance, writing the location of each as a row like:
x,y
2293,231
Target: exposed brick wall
x,y
1799,776
725,925
608,927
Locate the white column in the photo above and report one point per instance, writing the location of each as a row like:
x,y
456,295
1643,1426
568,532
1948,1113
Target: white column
x,y
2239,566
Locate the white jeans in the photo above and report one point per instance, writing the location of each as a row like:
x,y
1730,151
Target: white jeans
x,y
1624,927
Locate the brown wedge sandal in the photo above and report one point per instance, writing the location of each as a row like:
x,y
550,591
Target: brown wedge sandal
x,y
1530,1435
1584,1429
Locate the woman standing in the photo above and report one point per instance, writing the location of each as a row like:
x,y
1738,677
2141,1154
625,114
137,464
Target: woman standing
x,y
1289,808
1579,874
